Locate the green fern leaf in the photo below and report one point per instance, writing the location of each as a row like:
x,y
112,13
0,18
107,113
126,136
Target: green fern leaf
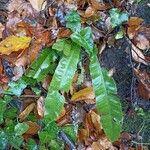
x,y
107,103
65,70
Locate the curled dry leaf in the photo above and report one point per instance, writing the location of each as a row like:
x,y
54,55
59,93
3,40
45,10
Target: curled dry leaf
x,y
95,118
1,30
13,44
134,23
89,12
83,94
144,83
26,112
138,56
142,42
98,5
102,144
23,8
40,107
37,4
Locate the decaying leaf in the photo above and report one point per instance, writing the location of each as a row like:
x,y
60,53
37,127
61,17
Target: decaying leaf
x,y
134,23
13,44
95,118
33,128
138,56
40,107
83,94
26,112
1,30
142,42
37,4
102,144
144,84
99,5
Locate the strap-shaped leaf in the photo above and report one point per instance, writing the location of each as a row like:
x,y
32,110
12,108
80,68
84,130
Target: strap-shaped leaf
x,y
73,21
65,70
107,102
42,65
54,103
63,45
84,39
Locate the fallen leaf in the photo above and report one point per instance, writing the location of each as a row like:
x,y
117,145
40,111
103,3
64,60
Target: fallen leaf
x,y
144,83
99,5
102,144
23,8
134,23
26,112
40,107
33,128
83,94
142,42
95,118
138,56
13,44
1,30
89,12
37,4
83,136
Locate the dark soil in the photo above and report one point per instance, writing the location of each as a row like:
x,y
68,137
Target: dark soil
x,y
118,58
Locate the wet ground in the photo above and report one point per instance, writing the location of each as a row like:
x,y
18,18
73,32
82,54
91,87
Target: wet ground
x,y
135,122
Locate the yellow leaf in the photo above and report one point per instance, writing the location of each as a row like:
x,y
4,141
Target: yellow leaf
x,y
26,112
84,94
13,44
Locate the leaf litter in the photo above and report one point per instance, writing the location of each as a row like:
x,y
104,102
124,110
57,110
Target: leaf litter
x,y
44,45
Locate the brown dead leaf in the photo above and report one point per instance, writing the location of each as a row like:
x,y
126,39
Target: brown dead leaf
x,y
134,24
37,4
1,30
142,42
83,136
102,144
26,112
95,118
96,5
144,83
63,32
13,44
40,107
138,56
83,94
89,12
33,128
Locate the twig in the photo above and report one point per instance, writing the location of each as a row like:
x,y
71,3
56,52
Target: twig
x,y
29,96
66,140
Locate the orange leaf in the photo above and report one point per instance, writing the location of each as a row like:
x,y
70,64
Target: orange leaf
x,y
83,94
13,44
33,128
134,24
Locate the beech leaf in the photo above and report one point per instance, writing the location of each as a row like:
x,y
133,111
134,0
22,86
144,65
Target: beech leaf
x,y
13,44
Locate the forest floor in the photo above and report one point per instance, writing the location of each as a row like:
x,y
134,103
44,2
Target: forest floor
x,y
123,50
